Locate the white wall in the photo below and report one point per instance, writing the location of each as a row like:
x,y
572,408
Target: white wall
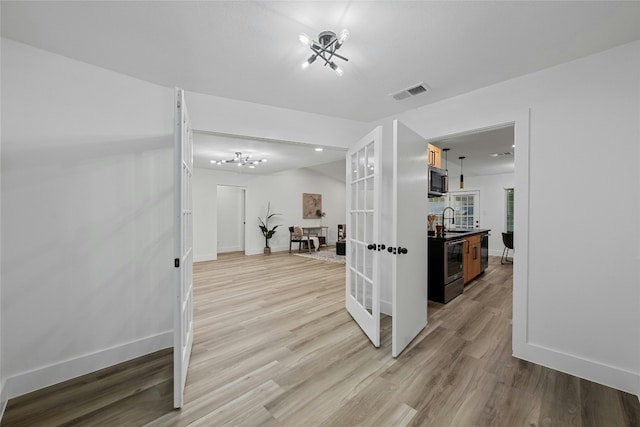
x,y
230,219
214,114
87,195
579,274
284,191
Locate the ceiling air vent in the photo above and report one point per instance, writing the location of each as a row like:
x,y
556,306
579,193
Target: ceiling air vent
x,y
410,91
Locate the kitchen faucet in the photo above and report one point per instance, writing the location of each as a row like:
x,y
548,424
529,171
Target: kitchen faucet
x,y
453,218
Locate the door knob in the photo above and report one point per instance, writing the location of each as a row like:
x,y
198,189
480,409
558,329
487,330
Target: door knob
x,y
402,250
381,247
371,246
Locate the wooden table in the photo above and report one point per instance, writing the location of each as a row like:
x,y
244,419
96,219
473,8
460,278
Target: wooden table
x,y
317,231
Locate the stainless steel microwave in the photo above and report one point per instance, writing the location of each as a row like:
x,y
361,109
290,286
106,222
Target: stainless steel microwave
x,y
438,182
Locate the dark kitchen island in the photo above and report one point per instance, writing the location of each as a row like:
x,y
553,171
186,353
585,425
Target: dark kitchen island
x,y
455,259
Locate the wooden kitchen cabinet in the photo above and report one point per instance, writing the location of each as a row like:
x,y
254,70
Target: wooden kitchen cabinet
x,y
434,157
472,265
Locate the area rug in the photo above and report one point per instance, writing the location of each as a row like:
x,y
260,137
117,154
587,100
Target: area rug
x,y
329,256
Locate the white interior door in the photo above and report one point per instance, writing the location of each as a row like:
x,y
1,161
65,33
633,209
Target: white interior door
x,y
183,249
363,198
409,229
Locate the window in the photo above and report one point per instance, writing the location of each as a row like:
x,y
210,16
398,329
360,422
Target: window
x,y
466,205
436,206
509,209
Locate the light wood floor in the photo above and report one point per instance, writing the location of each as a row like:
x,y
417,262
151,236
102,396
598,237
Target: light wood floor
x,y
275,346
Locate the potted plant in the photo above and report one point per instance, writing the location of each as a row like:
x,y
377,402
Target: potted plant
x,y
320,215
266,231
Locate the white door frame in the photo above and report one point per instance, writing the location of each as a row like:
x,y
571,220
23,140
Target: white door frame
x,y
521,120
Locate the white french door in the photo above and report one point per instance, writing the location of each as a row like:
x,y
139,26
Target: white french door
x,y
183,249
409,241
363,197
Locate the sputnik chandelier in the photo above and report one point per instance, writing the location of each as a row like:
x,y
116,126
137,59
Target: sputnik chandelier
x,y
326,46
240,160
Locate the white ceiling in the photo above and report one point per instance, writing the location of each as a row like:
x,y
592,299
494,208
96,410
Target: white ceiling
x,y
479,149
280,155
249,50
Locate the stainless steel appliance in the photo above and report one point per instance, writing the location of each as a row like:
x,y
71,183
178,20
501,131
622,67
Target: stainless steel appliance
x,y
484,252
453,269
438,182
445,273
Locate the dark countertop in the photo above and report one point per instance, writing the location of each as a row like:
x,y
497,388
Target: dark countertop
x,y
459,234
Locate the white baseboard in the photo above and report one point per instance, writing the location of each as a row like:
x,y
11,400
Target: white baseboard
x,y
386,307
229,249
610,376
36,379
205,257
3,400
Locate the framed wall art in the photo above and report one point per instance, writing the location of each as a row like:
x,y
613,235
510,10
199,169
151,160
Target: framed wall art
x,y
311,204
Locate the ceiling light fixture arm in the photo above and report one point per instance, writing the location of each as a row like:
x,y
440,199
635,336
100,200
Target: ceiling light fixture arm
x,y
315,48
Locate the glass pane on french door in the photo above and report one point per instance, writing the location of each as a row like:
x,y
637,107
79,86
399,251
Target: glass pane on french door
x,y
362,228
362,297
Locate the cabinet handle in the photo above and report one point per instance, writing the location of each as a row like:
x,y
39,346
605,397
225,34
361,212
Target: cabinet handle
x,y
475,252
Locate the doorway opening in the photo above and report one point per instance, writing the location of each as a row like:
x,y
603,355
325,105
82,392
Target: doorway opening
x,y
489,168
231,219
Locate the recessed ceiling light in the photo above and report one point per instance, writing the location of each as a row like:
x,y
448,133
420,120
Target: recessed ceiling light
x,y
513,146
319,149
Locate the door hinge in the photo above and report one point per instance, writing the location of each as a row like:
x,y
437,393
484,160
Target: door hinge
x,y
176,263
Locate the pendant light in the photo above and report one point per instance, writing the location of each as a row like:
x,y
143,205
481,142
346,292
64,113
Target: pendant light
x,y
446,160
446,169
461,172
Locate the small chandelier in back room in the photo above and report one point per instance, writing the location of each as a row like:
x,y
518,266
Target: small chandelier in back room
x,y
240,160
325,48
